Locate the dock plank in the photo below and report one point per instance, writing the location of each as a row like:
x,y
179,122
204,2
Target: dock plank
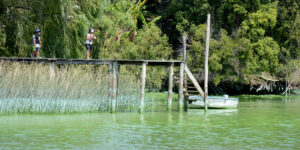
x,y
91,61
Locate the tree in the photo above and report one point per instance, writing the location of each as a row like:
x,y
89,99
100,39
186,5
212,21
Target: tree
x,y
287,27
258,23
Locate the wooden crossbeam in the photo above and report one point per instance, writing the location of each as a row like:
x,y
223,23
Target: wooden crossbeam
x,y
91,61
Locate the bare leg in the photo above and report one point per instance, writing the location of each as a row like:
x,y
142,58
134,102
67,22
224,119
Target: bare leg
x,y
88,54
37,54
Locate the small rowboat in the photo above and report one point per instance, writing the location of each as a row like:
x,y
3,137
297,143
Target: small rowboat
x,y
224,102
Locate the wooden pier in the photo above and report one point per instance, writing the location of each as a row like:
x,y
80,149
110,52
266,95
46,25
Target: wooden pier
x,y
114,74
91,61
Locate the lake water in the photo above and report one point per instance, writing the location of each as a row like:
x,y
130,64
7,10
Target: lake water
x,y
256,124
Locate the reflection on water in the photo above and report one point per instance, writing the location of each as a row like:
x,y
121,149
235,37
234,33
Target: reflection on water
x,y
212,112
254,125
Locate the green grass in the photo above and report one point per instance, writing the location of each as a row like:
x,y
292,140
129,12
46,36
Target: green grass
x,y
267,97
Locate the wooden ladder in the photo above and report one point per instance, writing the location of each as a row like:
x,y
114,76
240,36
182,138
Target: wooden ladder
x,y
191,85
189,88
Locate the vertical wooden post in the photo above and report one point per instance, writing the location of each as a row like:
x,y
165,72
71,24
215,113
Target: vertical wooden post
x,y
143,84
206,62
110,83
114,86
180,92
185,63
170,91
184,48
181,77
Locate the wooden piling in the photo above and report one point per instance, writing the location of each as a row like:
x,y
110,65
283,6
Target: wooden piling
x,y
180,91
181,77
143,84
170,91
114,86
110,83
206,62
113,72
184,48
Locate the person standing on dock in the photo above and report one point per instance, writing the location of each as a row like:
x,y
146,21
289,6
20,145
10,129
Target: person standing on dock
x,y
88,43
36,41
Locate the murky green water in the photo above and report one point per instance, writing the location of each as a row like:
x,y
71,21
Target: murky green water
x,y
256,124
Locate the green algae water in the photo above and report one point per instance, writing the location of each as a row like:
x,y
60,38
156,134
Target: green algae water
x,y
258,123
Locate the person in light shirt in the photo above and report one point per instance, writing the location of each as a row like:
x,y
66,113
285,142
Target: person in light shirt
x,y
88,43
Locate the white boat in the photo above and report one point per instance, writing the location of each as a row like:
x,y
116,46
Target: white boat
x,y
213,102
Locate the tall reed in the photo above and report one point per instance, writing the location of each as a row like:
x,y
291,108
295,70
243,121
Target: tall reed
x,y
34,88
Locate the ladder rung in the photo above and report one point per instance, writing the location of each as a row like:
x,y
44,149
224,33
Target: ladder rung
x,y
191,87
192,91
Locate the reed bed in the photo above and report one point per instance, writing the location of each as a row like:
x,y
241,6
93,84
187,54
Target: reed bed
x,y
34,88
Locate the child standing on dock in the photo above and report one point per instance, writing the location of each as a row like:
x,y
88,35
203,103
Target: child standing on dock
x,y
36,43
88,43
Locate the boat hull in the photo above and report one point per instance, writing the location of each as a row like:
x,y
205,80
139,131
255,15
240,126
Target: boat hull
x,y
213,102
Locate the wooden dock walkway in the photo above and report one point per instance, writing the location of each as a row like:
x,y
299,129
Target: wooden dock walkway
x,y
114,74
91,61
114,67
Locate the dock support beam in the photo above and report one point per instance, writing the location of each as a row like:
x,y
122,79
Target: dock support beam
x,y
170,91
180,92
113,85
206,62
184,48
143,84
181,77
110,85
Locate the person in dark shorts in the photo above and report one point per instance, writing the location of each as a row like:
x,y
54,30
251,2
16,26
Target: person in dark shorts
x,y
36,43
88,43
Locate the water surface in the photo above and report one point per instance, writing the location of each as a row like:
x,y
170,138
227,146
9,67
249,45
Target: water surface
x,y
256,124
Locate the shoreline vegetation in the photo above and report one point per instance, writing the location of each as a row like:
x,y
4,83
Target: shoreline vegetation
x,y
254,46
34,89
155,102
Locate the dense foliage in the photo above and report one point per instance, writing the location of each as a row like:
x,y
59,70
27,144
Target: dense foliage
x,y
252,40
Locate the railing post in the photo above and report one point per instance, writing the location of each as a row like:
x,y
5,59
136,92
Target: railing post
x,y
143,84
114,89
170,91
180,92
